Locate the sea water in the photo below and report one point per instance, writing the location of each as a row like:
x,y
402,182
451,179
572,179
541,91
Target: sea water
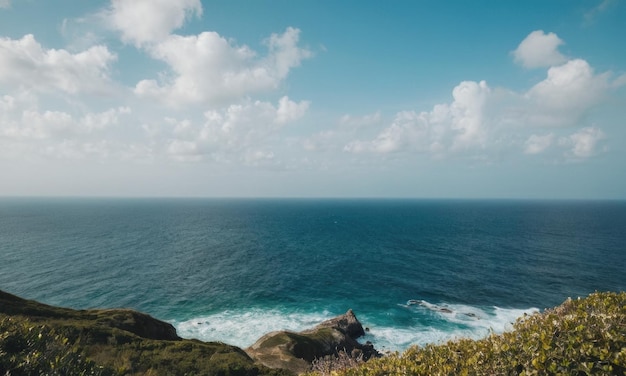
x,y
231,270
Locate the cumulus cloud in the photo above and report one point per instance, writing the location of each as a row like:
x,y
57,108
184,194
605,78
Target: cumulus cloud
x,y
482,119
568,93
455,126
236,132
538,50
25,63
149,21
583,143
207,68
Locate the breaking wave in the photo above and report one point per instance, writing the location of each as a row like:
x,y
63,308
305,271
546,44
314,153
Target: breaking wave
x,y
431,323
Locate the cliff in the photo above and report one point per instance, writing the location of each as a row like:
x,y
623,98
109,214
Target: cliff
x,y
36,338
40,339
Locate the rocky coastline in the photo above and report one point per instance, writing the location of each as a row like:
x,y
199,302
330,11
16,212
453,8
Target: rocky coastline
x,y
125,341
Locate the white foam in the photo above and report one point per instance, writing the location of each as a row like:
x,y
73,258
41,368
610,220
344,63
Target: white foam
x,y
243,328
460,321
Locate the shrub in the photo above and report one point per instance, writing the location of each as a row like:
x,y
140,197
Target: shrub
x,y
580,337
30,349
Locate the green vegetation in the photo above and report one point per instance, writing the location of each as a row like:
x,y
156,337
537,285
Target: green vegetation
x,y
580,337
36,339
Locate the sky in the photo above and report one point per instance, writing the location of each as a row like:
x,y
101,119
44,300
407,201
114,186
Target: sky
x,y
313,98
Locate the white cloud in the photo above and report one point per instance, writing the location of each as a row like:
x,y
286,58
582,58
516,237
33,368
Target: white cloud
x,y
25,63
539,49
408,130
568,91
209,69
289,111
467,112
239,131
583,143
148,21
537,144
5,4
30,124
26,133
456,126
485,121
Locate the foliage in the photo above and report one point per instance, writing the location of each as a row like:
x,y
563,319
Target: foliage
x,y
36,339
332,363
29,349
580,337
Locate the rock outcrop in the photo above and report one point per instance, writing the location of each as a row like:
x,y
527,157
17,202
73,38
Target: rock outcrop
x,y
296,351
135,322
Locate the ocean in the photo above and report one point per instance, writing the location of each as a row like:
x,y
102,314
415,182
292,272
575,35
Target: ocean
x,y
231,270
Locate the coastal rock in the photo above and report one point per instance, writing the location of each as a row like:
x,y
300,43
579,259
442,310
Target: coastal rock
x,y
296,351
347,323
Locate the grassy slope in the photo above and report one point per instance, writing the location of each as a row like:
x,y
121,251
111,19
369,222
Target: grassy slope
x,y
40,339
580,337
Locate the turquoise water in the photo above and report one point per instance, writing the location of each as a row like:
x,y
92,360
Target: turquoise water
x,y
232,270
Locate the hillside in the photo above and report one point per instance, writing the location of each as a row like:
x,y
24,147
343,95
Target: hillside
x,y
580,337
39,339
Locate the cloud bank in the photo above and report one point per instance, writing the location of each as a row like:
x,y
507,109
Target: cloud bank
x,y
481,120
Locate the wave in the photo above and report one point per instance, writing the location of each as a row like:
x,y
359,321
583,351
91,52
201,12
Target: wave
x,y
433,323
447,322
243,328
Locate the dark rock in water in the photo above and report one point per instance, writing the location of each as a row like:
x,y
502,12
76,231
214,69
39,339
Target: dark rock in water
x,y
346,323
296,351
445,310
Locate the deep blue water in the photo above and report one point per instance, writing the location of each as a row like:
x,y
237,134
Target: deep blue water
x,y
232,270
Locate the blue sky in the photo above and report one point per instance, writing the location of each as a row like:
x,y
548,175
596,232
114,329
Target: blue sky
x,y
426,99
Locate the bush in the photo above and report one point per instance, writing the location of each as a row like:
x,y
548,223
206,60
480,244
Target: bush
x,y
329,364
580,337
29,349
